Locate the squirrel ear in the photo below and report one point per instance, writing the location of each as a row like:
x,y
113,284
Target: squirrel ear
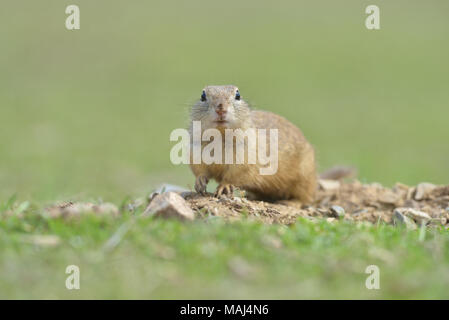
x,y
203,96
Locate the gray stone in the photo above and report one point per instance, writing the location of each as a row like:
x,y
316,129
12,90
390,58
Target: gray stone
x,y
418,216
423,190
169,205
338,212
402,220
329,184
389,198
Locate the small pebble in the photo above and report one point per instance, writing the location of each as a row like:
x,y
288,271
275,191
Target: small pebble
x,y
338,211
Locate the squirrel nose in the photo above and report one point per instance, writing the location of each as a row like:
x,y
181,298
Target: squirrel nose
x,y
220,110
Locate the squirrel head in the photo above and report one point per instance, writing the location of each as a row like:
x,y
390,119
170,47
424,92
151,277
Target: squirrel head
x,y
221,107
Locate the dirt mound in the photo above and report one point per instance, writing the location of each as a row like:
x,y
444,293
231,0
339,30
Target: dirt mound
x,y
354,201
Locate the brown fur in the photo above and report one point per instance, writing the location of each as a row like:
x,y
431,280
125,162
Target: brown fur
x,y
296,176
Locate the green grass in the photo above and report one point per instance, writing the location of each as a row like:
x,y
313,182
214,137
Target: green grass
x,y
211,259
87,115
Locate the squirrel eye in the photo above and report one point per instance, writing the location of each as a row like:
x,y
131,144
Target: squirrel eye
x,y
237,95
203,96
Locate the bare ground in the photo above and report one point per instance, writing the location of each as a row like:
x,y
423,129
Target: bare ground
x,y
412,207
353,201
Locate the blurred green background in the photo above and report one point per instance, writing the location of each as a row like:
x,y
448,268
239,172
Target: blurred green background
x,y
89,112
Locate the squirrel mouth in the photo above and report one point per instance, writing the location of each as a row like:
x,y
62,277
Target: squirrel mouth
x,y
219,121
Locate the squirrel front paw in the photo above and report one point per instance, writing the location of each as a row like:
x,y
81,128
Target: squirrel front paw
x,y
224,189
201,184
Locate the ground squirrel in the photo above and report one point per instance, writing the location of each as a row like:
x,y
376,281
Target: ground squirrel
x,y
221,107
